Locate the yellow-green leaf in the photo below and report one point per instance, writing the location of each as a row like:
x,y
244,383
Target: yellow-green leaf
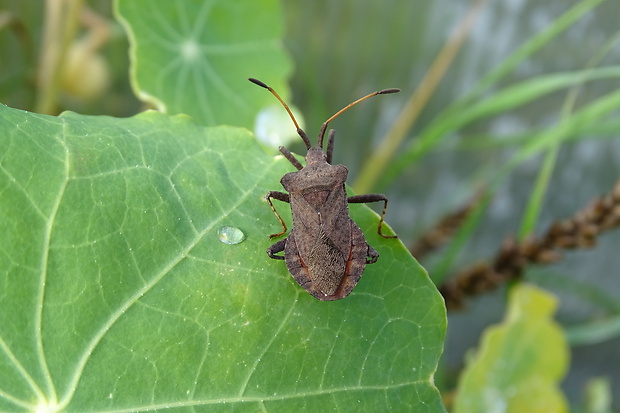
x,y
520,362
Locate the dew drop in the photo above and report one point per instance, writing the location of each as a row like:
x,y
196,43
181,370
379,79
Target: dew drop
x,y
230,235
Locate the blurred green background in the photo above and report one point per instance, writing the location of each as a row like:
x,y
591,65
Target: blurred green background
x,y
344,49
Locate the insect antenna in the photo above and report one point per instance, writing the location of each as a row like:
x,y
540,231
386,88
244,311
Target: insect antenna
x,y
324,126
300,131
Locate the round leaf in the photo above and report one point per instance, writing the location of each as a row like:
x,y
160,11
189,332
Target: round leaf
x,y
117,291
194,56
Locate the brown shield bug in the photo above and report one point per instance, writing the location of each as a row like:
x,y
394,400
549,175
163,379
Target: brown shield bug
x,y
325,252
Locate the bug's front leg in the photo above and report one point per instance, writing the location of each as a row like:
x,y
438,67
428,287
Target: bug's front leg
x,y
362,199
280,196
275,248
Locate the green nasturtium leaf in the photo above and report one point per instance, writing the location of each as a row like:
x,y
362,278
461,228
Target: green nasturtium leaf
x,y
520,362
117,292
194,56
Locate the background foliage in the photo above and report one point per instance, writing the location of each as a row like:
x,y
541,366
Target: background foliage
x,y
525,108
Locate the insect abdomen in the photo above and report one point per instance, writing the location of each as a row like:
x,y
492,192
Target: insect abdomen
x,y
326,265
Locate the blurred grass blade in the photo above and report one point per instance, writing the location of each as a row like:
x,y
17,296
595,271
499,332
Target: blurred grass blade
x,y
507,99
412,109
594,332
378,170
595,296
546,140
569,128
463,236
530,47
536,200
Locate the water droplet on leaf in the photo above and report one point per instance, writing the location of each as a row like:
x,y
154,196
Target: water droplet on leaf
x,y
230,235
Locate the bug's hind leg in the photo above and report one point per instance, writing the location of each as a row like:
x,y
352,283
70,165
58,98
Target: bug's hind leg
x,y
362,199
372,256
275,248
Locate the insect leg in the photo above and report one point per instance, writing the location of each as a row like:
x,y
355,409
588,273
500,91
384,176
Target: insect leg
x,y
275,248
372,256
361,199
288,155
280,196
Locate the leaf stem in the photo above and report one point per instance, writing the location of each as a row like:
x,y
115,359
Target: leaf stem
x,y
378,160
61,17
